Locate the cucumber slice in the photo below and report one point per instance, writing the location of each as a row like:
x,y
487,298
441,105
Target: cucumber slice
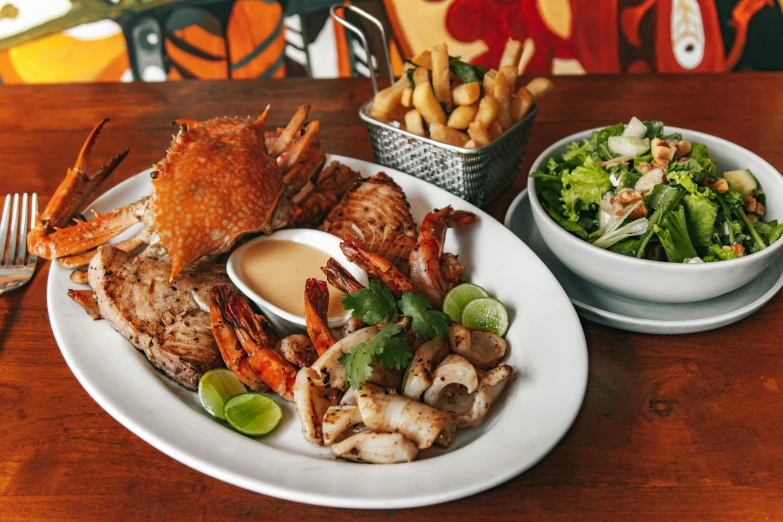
x,y
628,145
742,181
635,128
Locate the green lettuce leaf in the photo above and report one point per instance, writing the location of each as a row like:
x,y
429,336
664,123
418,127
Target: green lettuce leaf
x,y
576,153
770,231
775,234
701,215
550,193
583,187
575,228
603,135
626,247
700,154
718,253
627,178
654,129
662,200
684,179
674,237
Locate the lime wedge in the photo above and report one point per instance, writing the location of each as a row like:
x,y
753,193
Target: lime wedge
x,y
459,296
486,313
253,414
217,386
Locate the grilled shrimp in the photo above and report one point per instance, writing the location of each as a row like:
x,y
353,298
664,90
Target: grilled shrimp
x,y
245,341
339,277
432,271
377,266
316,298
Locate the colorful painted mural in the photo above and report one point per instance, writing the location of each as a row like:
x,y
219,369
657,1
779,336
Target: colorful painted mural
x,y
44,41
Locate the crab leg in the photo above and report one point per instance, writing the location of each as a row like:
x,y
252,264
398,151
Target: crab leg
x,y
129,245
70,197
304,172
287,136
376,266
316,303
301,145
90,234
315,201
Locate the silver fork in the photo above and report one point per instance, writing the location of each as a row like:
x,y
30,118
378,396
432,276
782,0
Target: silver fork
x,y
14,271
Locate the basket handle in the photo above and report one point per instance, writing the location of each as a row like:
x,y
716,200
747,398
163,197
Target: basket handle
x,y
358,32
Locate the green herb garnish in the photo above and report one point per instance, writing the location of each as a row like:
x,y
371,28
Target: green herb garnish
x,y
388,350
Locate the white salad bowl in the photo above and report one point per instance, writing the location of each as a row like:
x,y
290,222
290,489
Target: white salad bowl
x,y
283,321
657,281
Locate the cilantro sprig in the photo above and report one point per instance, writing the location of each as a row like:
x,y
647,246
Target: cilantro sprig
x,y
373,305
426,322
376,305
390,351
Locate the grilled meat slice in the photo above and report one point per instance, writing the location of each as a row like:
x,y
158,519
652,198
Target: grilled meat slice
x,y
376,211
86,299
169,322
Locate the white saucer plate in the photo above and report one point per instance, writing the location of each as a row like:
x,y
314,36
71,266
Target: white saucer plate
x,y
546,348
604,307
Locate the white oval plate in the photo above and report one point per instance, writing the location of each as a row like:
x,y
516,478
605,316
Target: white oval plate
x,y
601,306
546,348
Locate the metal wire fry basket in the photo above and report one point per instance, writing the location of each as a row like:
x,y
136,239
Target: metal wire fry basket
x,y
476,175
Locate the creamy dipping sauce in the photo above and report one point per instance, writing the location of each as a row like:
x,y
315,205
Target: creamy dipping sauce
x,y
277,270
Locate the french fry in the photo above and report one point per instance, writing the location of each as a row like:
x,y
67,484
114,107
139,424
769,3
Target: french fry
x,y
396,114
387,99
495,130
489,81
540,87
528,49
503,96
413,123
428,105
421,75
466,93
510,72
448,135
511,54
461,117
521,104
407,97
470,144
488,110
423,59
479,134
440,74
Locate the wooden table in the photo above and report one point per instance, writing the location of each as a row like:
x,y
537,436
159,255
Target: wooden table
x,y
681,427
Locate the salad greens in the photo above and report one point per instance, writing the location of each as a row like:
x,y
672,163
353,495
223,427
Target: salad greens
x,y
634,191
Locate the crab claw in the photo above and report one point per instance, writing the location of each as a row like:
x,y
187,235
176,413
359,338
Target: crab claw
x,y
70,197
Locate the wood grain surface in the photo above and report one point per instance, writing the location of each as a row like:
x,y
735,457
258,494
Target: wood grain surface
x,y
685,427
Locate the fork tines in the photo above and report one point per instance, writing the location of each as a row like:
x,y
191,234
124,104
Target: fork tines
x,y
14,226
